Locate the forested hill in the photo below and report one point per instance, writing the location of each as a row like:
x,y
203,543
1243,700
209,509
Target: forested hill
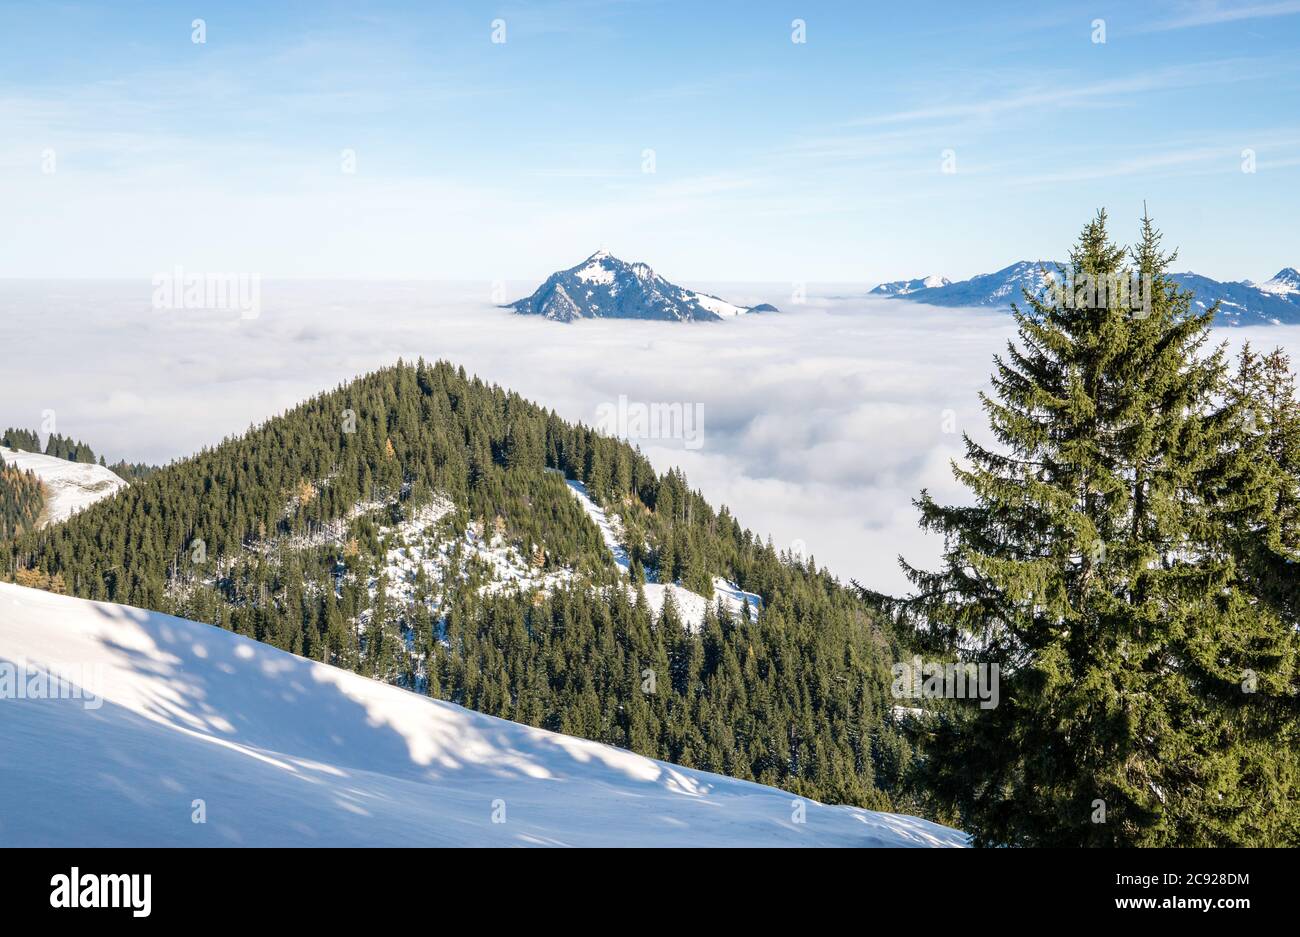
x,y
406,526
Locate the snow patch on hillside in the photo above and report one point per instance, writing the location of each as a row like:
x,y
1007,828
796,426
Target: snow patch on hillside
x,y
690,606
286,751
419,546
330,533
595,272
611,531
71,486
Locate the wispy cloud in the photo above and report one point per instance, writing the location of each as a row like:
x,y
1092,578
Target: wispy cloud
x,y
1209,13
822,159
1278,146
1069,91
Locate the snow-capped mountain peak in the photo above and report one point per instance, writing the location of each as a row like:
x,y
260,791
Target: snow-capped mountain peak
x,y
596,270
1286,281
605,287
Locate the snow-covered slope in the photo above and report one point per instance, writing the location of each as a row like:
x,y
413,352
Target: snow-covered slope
x,y
271,749
71,486
604,287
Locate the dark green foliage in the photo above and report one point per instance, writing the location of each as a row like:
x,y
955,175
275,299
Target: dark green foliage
x,y
131,472
779,702
22,439
1263,391
21,501
1128,561
263,535
63,447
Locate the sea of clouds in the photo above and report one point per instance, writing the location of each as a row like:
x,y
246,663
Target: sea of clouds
x,y
820,423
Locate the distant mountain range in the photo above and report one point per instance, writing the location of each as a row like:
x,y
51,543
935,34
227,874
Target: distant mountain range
x,y
1274,302
604,287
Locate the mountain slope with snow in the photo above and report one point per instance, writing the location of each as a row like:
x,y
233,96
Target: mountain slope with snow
x,y
903,287
604,287
691,606
71,486
1240,303
185,721
1000,288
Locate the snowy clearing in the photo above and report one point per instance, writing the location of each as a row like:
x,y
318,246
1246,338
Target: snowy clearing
x,y
71,486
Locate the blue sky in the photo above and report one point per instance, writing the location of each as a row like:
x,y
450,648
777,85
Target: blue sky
x,y
773,160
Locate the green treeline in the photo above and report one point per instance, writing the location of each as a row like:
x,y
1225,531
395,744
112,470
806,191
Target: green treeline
x,y
64,447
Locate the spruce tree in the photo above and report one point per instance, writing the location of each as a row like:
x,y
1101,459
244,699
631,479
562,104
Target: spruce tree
x,y
1148,681
1263,388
